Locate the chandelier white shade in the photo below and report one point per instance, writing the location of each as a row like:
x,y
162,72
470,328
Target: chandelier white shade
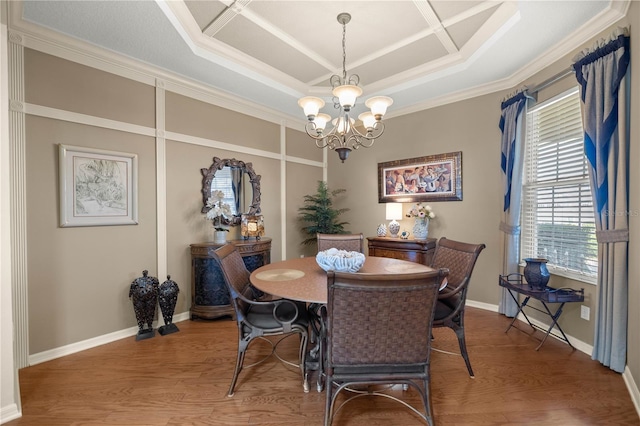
x,y
344,136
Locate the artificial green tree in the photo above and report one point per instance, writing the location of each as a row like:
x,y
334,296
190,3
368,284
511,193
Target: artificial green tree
x,y
319,215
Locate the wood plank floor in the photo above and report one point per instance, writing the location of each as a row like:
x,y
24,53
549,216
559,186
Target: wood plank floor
x,y
182,379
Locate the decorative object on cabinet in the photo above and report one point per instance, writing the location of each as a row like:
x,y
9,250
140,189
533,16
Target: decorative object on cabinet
x,y
421,228
209,295
220,237
422,215
344,136
167,298
97,187
144,294
430,178
393,213
419,251
319,214
252,226
536,272
239,183
405,234
382,230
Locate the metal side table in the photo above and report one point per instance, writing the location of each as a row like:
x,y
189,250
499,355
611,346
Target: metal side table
x,y
515,283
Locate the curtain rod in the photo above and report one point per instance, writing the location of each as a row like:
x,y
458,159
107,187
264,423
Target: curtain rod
x,y
548,82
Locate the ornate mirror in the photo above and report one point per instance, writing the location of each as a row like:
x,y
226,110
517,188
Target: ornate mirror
x,y
239,183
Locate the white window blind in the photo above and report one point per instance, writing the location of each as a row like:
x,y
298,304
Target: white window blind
x,y
558,222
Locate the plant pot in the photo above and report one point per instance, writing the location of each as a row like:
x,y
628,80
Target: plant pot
x,y
220,237
536,273
421,228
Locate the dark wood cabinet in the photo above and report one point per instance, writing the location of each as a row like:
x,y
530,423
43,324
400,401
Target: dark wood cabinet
x,y
419,251
209,294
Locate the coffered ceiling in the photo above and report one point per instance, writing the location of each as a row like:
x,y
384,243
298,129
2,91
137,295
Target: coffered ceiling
x,y
271,52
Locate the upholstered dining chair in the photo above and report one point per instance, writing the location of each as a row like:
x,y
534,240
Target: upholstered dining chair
x,y
348,242
459,258
258,319
378,332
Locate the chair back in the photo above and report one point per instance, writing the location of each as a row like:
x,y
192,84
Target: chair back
x,y
348,242
459,258
375,320
236,277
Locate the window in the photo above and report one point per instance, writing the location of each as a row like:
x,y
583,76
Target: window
x,y
557,216
223,182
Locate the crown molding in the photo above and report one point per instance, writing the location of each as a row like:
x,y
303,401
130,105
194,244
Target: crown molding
x,y
54,43
210,49
47,41
583,36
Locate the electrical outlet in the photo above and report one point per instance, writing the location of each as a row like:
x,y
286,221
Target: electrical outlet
x,y
585,312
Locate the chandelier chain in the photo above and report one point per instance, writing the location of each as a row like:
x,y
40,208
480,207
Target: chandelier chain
x,y
344,52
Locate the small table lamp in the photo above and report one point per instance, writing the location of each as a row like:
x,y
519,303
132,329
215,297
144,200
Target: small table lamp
x,y
394,212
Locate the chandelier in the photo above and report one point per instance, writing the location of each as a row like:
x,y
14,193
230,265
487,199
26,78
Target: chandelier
x,y
344,136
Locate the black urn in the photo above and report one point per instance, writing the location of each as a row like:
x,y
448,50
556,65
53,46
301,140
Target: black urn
x,y
536,273
144,295
167,298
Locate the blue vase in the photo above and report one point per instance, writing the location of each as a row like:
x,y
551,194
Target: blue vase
x,y
536,273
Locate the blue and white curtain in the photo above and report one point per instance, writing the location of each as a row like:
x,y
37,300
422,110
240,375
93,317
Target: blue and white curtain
x,y
602,73
512,126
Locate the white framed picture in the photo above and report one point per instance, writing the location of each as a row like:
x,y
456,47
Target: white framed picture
x,y
97,187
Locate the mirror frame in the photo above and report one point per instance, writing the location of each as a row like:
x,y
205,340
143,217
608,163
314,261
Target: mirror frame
x,y
209,174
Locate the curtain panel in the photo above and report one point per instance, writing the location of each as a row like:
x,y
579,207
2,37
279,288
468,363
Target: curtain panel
x,y
512,125
602,73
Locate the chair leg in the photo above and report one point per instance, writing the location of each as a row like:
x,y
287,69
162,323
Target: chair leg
x,y
302,360
328,402
242,347
427,402
463,349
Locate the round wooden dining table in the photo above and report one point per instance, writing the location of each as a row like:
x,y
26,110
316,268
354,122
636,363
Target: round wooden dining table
x,y
302,279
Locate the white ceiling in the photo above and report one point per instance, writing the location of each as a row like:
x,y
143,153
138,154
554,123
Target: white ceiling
x,y
420,52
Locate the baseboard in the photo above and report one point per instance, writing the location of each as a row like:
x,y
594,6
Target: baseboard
x,y
482,305
10,412
632,387
93,342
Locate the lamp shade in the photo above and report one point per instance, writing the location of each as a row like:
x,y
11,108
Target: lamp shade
x,y
340,122
321,121
368,120
311,105
378,105
394,211
347,94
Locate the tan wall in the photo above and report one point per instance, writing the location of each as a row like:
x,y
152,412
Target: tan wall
x,y
57,83
470,127
79,278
